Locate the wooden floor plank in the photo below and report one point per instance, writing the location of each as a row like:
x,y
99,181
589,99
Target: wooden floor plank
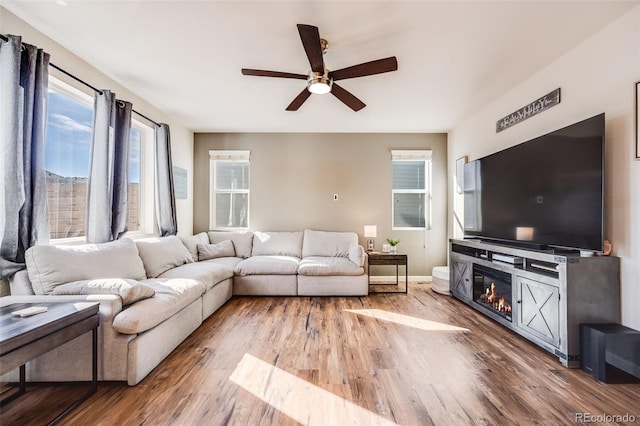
x,y
416,359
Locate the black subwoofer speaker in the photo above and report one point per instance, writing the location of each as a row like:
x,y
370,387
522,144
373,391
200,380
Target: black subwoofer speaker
x,y
610,352
592,345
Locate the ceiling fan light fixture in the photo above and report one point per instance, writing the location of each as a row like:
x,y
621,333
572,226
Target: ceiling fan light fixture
x,y
319,83
319,79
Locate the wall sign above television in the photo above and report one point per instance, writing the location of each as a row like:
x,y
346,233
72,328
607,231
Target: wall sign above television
x,y
549,100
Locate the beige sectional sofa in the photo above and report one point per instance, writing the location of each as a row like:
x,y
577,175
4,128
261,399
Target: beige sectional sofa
x,y
153,293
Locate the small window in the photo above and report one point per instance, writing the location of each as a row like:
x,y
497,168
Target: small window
x,y
229,200
411,189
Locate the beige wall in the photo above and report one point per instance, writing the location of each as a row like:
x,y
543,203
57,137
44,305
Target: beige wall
x,y
597,76
294,176
181,137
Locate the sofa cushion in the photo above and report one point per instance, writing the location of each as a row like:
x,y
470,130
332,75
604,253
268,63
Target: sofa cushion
x,y
162,253
191,243
357,255
130,291
229,262
328,244
268,265
171,296
277,244
49,266
322,266
206,272
213,251
242,240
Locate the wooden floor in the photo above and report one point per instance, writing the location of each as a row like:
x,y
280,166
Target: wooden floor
x,y
385,359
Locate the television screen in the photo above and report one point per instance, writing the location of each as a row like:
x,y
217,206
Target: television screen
x,y
544,192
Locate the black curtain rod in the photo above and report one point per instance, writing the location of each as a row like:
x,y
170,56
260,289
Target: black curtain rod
x,y
52,65
96,90
68,74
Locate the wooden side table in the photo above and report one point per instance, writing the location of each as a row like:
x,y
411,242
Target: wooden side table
x,y
25,338
390,259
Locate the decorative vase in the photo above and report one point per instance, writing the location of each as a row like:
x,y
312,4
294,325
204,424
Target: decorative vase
x,y
393,250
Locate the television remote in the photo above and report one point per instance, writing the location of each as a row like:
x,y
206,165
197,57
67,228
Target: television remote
x,y
27,312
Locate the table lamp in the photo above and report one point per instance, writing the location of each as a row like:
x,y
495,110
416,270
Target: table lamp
x,y
370,232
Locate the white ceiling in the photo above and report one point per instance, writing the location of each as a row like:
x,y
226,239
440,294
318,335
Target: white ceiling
x,y
184,57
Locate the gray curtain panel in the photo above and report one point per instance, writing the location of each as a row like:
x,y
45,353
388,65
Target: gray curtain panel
x,y
24,79
107,206
165,194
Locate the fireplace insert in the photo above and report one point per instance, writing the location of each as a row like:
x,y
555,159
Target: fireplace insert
x,y
492,290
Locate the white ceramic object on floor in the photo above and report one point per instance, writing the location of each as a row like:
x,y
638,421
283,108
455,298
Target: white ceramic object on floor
x,y
440,279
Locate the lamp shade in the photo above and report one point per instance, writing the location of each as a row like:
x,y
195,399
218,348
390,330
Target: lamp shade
x,y
370,231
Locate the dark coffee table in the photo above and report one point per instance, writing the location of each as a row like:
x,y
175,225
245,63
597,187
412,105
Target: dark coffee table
x,y
23,339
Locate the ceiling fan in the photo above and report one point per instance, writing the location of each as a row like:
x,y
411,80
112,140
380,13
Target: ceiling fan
x,y
320,80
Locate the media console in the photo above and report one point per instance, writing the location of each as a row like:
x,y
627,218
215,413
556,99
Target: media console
x,y
539,294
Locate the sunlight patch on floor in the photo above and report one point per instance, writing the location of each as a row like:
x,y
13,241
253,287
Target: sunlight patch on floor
x,y
300,400
420,323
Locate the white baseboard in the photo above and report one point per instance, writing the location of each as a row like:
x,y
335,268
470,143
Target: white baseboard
x,y
420,279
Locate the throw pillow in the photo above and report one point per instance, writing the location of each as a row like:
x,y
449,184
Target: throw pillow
x,y
212,251
191,243
129,290
162,253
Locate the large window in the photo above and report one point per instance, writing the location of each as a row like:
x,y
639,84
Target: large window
x,y
229,199
67,160
411,189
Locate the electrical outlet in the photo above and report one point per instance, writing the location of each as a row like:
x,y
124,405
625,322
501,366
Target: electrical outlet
x,y
335,197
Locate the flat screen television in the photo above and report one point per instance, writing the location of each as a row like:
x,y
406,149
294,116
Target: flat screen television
x,y
544,193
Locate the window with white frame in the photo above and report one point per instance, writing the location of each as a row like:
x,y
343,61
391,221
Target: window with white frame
x,y
411,189
229,183
141,179
67,160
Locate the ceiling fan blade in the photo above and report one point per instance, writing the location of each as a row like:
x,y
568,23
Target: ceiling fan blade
x,y
263,73
311,41
299,100
347,98
368,68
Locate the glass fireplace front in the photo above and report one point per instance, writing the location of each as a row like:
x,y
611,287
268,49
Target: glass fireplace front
x,y
492,290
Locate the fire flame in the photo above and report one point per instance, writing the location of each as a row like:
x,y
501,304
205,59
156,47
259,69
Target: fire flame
x,y
491,294
491,298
